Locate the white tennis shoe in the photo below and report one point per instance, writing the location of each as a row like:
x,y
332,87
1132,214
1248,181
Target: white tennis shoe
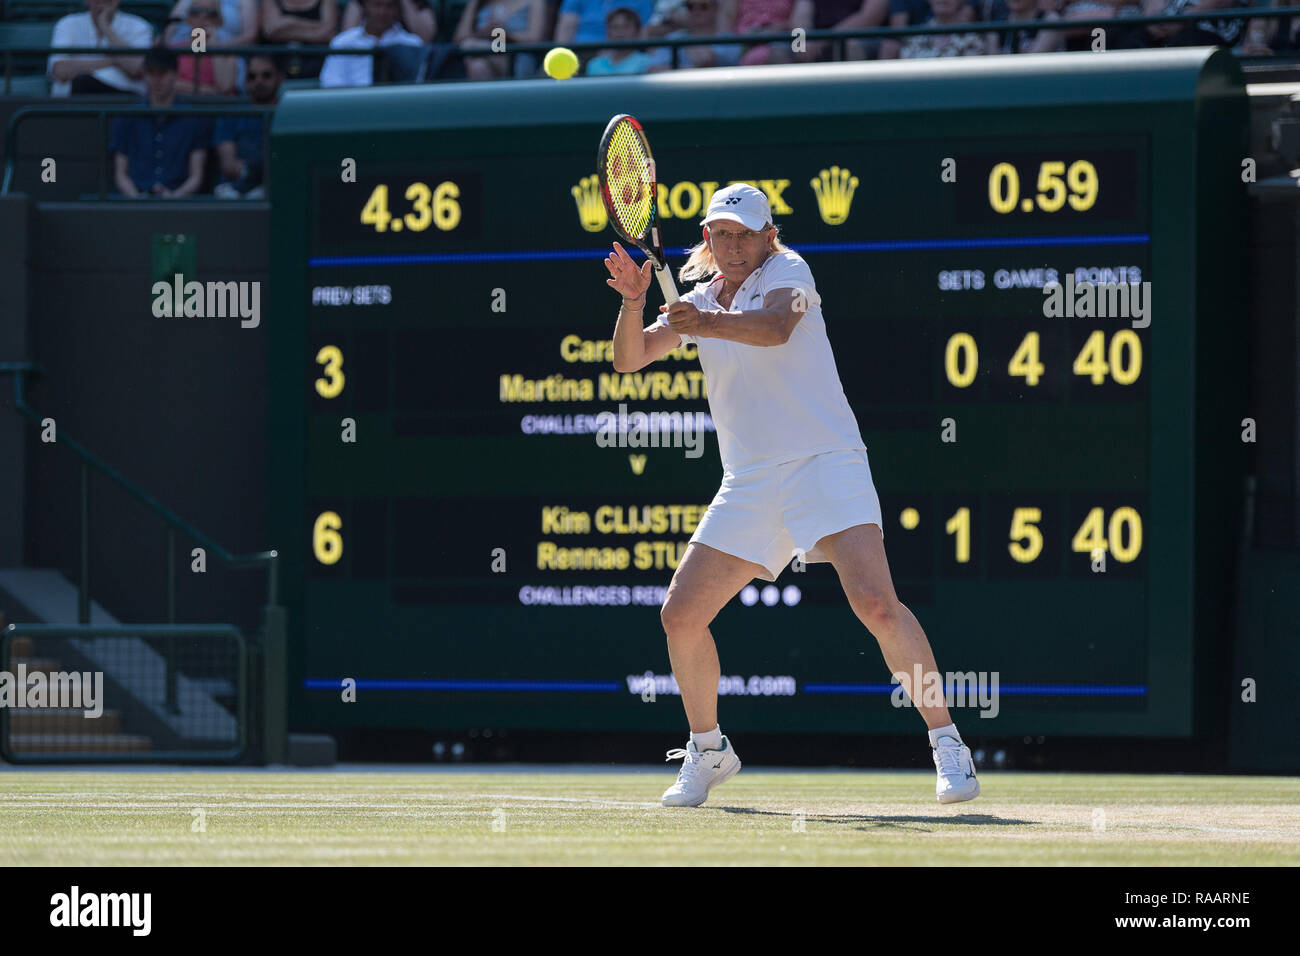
x,y
700,772
957,780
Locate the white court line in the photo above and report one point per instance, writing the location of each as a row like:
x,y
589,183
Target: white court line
x,y
450,802
1197,826
592,801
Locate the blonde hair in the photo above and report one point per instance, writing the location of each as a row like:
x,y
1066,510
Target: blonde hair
x,y
700,263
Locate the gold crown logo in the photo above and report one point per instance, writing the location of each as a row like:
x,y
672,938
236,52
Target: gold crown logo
x,y
834,189
591,209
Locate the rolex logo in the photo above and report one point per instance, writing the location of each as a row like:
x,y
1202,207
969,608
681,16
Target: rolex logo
x,y
834,189
591,210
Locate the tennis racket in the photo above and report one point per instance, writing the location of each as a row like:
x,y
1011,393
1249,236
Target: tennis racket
x,y
627,185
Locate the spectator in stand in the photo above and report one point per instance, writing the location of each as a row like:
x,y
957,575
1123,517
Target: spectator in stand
x,y
293,22
583,21
1217,32
103,25
740,17
415,16
408,64
669,16
1259,39
216,75
944,13
379,30
161,156
524,21
621,23
1280,36
915,13
840,15
1022,41
240,139
1117,37
701,21
240,20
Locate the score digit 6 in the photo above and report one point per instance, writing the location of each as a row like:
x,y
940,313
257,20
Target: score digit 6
x,y
326,542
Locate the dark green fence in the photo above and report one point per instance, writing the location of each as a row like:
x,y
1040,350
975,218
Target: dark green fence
x,y
140,693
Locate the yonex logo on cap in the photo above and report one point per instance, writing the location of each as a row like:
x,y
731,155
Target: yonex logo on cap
x,y
742,203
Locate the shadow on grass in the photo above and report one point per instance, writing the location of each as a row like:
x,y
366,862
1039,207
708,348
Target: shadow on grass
x,y
868,821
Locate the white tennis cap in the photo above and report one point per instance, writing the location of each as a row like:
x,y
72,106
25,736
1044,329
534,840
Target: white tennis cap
x,y
740,203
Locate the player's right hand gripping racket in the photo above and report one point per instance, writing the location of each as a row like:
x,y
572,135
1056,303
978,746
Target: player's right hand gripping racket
x,y
627,184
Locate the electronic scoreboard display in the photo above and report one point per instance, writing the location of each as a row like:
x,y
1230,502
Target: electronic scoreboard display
x,y
1016,265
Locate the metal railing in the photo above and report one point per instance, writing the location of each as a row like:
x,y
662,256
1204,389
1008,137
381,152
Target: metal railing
x,y
144,715
839,38
280,52
273,647
102,113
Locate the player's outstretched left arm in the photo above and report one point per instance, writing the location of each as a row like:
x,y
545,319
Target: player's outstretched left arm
x,y
635,346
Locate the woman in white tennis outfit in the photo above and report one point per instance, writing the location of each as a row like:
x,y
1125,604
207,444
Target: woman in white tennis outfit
x,y
795,475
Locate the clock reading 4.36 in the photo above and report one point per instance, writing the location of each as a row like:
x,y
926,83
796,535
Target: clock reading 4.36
x,y
1059,186
438,206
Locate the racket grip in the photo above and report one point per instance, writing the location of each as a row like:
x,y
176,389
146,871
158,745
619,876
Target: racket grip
x,y
667,285
669,289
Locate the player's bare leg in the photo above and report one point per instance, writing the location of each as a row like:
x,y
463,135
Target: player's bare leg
x,y
858,555
705,580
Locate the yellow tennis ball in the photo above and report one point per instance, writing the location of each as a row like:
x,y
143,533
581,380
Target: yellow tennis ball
x,y
561,63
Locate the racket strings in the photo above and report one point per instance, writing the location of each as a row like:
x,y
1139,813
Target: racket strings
x,y
627,174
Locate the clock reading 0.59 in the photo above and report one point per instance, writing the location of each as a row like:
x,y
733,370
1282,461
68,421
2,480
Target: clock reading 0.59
x,y
1058,185
438,206
1065,185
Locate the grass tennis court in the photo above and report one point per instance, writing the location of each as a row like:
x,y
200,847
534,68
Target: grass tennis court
x,y
593,816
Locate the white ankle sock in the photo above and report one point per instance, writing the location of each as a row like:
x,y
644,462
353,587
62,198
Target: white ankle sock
x,y
949,731
709,740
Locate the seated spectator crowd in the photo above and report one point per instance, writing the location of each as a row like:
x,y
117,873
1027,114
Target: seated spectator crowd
x,y
413,49
165,155
171,155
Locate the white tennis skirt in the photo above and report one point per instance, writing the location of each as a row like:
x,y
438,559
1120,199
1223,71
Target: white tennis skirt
x,y
774,514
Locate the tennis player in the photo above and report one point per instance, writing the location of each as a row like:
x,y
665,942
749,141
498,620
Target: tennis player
x,y
795,476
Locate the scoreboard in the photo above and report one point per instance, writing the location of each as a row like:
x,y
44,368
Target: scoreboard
x,y
1029,269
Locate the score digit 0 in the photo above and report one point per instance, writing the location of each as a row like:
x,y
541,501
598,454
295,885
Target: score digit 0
x,y
1079,188
961,358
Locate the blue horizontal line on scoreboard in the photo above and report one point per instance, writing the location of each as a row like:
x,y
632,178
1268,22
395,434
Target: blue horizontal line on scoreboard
x,y
998,242
571,686
879,245
1010,690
